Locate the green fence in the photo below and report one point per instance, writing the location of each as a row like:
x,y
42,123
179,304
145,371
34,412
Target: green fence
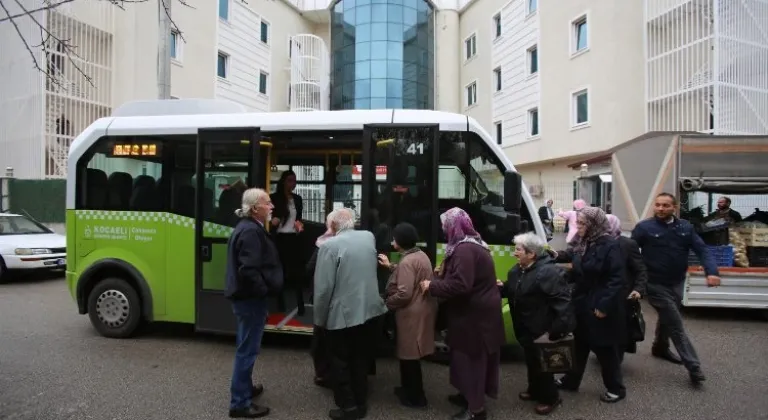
x,y
43,199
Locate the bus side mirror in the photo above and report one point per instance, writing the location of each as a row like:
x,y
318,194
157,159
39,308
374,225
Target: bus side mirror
x,y
513,185
513,225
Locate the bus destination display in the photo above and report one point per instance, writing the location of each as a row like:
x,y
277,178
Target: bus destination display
x,y
135,150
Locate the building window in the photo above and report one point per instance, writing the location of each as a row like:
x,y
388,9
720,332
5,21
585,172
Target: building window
x,y
580,108
499,132
265,32
533,60
470,46
471,93
497,78
533,122
497,24
222,65
382,54
290,90
579,33
224,9
175,46
533,5
263,82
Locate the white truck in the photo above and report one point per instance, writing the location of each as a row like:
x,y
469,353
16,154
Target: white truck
x,y
699,169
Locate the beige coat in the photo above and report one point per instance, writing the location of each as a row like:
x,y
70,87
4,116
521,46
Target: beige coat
x,y
415,312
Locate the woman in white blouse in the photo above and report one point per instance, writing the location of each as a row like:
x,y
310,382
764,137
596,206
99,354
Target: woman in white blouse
x,y
286,225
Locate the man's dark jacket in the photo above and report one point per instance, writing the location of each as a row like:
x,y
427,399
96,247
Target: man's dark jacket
x,y
253,265
665,248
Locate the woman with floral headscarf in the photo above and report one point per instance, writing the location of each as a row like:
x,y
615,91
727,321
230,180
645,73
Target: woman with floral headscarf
x,y
472,305
598,300
636,279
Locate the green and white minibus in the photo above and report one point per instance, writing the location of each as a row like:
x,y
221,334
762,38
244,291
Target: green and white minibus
x,y
151,192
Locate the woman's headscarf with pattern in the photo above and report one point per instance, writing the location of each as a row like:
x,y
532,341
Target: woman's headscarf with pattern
x,y
458,228
614,225
596,227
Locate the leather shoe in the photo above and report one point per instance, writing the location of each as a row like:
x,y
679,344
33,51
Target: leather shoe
x,y
468,415
251,412
323,383
458,400
697,376
666,354
257,390
346,413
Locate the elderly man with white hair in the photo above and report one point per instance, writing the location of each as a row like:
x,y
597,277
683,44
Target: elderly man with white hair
x,y
347,305
540,298
253,273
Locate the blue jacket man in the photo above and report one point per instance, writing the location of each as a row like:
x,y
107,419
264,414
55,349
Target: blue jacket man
x,y
253,273
665,242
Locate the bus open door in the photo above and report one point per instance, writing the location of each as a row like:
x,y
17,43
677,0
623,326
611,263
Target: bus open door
x,y
229,160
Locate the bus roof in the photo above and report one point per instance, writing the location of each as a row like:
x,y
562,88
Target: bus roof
x,y
127,123
185,117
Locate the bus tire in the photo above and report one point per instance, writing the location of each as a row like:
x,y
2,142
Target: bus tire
x,y
114,308
3,272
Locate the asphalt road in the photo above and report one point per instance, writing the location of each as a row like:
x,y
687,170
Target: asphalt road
x,y
54,366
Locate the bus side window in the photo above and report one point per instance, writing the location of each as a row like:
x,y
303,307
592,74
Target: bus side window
x,y
117,176
472,177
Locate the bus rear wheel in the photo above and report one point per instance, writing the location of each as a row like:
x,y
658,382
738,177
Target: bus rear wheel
x,y
114,308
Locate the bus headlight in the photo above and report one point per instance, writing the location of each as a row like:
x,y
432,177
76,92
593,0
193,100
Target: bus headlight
x,y
31,251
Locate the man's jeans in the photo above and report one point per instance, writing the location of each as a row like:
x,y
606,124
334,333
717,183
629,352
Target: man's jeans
x,y
667,300
251,317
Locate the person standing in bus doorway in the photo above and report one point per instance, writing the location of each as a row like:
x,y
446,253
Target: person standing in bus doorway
x,y
253,272
415,312
665,242
287,222
347,304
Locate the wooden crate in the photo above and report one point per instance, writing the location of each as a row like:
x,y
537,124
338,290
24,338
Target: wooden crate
x,y
757,237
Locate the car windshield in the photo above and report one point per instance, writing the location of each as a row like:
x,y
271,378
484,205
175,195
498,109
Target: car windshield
x,y
20,225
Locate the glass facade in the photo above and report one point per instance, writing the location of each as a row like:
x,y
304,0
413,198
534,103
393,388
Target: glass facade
x,y
382,54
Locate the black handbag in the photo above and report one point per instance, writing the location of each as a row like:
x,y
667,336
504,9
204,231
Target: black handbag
x,y
556,356
636,327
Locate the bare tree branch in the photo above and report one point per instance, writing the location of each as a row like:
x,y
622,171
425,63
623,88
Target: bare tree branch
x,y
64,47
39,9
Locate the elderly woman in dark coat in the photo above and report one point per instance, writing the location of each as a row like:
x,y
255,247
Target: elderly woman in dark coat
x,y
540,298
635,276
473,314
598,299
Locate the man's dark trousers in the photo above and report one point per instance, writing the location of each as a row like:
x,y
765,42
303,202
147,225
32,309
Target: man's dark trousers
x,y
251,317
666,300
352,350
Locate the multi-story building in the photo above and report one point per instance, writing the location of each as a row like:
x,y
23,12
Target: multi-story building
x,y
571,81
558,83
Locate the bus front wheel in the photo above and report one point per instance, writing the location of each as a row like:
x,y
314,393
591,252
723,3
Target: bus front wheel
x,y
114,308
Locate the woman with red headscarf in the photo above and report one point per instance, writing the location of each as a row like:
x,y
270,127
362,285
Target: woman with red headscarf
x,y
472,305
